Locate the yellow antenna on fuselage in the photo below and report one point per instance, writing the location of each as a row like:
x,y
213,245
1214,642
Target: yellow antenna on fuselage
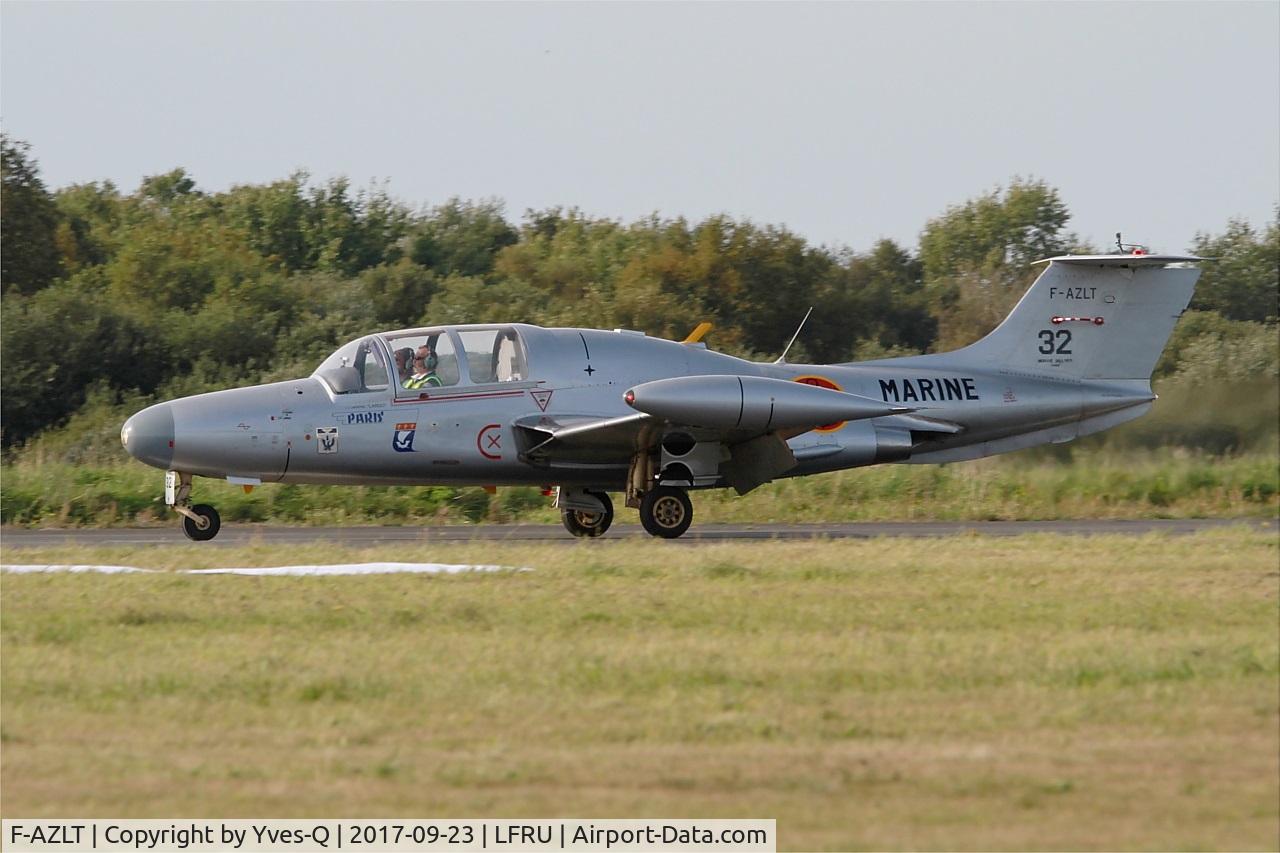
x,y
696,335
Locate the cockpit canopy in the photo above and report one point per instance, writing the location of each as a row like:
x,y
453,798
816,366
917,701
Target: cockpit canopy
x,y
414,361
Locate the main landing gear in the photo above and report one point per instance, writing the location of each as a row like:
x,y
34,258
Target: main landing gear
x,y
666,511
200,522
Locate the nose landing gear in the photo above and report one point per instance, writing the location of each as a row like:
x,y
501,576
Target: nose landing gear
x,y
588,524
203,513
582,522
200,522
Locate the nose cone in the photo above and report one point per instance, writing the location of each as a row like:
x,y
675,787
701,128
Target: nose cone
x,y
148,436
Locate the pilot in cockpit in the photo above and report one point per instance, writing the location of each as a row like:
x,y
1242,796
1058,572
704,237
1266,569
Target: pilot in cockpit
x,y
424,369
404,364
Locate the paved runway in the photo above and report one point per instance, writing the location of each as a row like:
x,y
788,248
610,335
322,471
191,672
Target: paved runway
x,y
244,534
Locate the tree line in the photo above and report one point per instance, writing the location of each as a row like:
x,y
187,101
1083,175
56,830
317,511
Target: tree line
x,y
170,289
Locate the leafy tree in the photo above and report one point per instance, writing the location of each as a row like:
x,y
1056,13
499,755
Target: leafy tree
x,y
168,190
572,265
57,344
170,262
1012,227
658,293
227,331
757,279
1243,283
398,293
462,238
892,295
327,311
469,299
977,256
29,256
273,219
347,235
1208,345
90,217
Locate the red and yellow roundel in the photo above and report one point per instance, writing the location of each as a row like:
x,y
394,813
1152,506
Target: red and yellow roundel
x,y
822,382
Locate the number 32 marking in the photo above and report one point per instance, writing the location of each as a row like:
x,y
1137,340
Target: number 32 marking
x,y
1048,345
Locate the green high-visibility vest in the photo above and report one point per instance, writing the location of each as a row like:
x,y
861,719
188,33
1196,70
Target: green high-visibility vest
x,y
422,382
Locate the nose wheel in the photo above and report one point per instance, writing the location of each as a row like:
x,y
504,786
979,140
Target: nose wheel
x,y
204,525
199,522
666,511
588,525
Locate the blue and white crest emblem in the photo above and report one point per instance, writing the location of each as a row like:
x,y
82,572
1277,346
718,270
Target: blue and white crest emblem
x,y
402,439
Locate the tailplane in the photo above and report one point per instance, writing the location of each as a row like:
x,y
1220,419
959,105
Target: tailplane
x,y
1092,317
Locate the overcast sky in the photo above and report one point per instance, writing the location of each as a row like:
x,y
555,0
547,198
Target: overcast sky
x,y
845,122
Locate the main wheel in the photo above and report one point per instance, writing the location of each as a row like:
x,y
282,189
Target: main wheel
x,y
588,524
666,511
212,523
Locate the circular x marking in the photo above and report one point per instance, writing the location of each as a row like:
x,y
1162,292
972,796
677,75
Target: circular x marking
x,y
489,441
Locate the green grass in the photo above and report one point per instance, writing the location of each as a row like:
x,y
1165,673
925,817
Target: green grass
x,y
1039,692
1089,484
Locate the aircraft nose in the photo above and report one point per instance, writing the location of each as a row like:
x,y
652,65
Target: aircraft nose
x,y
148,436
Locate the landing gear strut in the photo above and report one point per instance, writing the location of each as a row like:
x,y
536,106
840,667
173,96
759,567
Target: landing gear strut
x,y
200,522
666,511
588,525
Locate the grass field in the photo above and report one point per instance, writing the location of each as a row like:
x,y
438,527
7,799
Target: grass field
x,y
1168,483
1040,692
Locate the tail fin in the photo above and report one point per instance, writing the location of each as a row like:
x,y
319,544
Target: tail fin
x,y
1092,317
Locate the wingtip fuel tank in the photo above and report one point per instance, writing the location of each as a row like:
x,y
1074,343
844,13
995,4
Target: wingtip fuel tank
x,y
751,403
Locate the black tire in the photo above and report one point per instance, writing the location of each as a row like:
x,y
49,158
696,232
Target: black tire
x,y
195,533
666,511
588,525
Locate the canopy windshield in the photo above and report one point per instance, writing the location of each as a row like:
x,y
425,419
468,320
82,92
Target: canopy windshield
x,y
356,367
416,361
427,358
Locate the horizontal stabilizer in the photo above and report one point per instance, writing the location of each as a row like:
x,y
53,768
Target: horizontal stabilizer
x,y
1123,261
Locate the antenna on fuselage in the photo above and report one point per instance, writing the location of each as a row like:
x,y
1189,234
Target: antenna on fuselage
x,y
782,359
1130,248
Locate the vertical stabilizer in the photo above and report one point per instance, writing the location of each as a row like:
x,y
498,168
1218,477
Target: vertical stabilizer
x,y
1092,317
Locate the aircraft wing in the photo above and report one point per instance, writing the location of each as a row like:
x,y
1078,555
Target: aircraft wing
x,y
752,416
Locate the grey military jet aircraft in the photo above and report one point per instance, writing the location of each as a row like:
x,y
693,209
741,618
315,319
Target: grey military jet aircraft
x,y
591,412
